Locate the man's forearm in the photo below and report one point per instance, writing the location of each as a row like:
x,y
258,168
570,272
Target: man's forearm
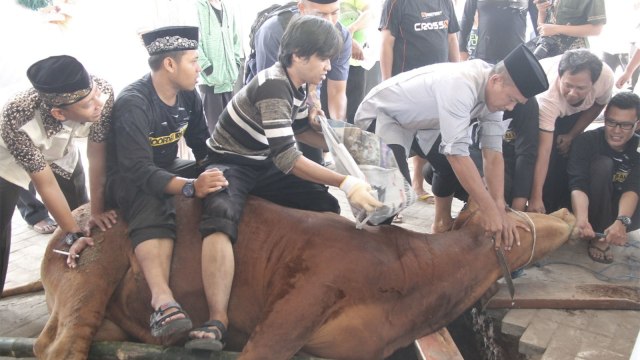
x,y
580,30
494,175
580,205
628,204
541,168
386,54
337,99
585,119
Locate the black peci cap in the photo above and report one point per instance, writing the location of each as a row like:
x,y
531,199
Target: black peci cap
x,y
60,80
526,72
171,38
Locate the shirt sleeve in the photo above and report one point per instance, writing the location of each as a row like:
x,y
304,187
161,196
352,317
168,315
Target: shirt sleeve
x,y
17,142
491,131
579,164
273,100
100,130
267,44
455,101
132,126
197,131
391,17
605,85
597,13
549,112
454,26
340,64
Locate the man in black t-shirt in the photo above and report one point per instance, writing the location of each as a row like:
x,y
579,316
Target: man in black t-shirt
x,y
150,116
604,178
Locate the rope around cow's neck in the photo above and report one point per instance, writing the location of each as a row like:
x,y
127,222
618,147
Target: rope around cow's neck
x,y
531,225
533,229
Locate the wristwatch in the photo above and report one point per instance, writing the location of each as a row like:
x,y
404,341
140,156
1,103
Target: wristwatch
x,y
188,190
625,220
70,238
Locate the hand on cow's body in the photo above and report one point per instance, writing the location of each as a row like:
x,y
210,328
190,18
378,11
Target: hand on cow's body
x,y
103,220
511,231
536,205
76,249
616,234
359,193
491,221
210,180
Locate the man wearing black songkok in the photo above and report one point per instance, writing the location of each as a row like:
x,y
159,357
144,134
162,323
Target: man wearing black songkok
x,y
150,116
37,128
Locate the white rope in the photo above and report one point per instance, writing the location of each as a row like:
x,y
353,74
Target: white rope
x,y
533,229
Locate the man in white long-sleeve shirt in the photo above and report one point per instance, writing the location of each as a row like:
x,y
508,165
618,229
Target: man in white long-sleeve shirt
x,y
442,99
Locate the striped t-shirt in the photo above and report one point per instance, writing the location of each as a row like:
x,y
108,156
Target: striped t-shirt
x,y
260,121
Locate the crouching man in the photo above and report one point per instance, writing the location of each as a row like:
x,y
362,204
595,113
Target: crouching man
x,y
604,177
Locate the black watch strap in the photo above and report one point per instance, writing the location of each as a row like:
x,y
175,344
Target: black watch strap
x,y
72,237
625,220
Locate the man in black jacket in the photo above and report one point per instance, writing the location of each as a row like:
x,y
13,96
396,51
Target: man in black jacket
x,y
604,178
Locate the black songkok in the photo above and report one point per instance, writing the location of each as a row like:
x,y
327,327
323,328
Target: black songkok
x,y
526,72
170,38
60,80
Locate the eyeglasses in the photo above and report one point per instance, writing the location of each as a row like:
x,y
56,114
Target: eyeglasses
x,y
623,125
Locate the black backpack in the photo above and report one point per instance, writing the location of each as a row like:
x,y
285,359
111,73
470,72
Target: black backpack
x,y
284,13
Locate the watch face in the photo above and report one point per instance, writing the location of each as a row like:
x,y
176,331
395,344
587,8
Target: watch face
x,y
625,220
188,190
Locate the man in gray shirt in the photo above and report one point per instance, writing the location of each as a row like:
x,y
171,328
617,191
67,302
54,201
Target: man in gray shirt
x,y
441,99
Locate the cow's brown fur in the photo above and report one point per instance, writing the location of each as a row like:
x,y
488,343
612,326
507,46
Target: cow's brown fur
x,y
304,282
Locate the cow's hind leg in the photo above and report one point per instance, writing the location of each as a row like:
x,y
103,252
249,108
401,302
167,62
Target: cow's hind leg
x,y
291,321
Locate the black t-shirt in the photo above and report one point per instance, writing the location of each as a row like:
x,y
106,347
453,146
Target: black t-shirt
x,y
146,132
588,145
421,30
502,26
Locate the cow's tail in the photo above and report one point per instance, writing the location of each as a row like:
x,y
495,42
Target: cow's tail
x,y
23,289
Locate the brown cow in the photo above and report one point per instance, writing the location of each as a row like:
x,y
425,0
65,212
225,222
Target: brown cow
x,y
304,281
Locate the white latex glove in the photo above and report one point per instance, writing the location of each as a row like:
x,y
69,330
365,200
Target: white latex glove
x,y
358,193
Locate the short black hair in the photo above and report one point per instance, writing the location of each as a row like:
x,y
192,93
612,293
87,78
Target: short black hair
x,y
155,61
307,36
625,100
575,61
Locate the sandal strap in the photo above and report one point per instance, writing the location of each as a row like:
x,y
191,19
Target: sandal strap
x,y
158,316
216,325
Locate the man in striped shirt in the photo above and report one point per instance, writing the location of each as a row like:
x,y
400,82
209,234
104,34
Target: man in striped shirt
x,y
254,144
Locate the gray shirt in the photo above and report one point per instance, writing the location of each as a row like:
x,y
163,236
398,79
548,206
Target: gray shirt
x,y
432,100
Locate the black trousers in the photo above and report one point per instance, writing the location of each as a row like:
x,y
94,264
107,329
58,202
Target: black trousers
x,y
74,191
555,193
603,199
32,210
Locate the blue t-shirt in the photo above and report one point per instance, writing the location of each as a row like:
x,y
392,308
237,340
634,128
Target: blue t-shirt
x,y
267,43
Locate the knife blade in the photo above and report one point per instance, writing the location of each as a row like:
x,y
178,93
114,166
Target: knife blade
x,y
506,273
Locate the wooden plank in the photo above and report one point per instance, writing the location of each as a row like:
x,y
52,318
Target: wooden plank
x,y
438,346
541,295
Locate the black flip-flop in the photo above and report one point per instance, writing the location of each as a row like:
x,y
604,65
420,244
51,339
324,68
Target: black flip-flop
x,y
604,252
215,343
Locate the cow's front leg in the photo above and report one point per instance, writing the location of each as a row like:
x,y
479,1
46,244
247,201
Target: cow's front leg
x,y
291,320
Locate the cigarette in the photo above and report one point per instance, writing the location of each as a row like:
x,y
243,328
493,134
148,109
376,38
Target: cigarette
x,y
65,253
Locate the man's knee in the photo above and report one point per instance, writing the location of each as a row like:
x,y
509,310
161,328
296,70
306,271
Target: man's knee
x,y
221,213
